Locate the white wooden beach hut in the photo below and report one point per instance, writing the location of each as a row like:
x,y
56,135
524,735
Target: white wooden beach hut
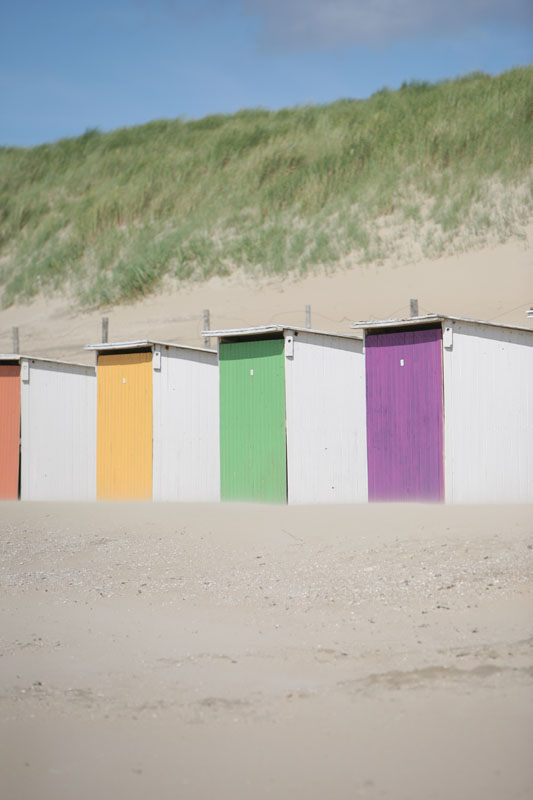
x,y
52,413
449,410
292,415
157,422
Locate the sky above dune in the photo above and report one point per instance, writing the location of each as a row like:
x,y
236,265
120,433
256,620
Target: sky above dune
x,y
68,66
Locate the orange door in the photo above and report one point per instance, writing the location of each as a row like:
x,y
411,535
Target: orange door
x,y
124,426
9,430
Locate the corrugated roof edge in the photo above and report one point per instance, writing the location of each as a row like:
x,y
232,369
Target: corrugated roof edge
x,y
387,323
143,343
19,357
273,329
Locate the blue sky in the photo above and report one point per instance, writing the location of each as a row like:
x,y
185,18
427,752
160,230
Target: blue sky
x,y
66,66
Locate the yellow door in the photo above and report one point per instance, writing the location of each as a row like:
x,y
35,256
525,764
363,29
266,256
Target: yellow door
x,y
124,427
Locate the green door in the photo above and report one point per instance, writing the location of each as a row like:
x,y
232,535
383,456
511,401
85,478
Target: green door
x,y
253,458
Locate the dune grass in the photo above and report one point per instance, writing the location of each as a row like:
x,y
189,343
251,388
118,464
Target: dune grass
x,y
109,215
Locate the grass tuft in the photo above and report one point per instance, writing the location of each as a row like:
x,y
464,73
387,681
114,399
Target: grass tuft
x,y
442,166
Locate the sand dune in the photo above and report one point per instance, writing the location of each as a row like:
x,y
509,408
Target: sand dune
x,y
494,283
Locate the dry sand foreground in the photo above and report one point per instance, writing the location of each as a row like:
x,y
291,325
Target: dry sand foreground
x,y
173,651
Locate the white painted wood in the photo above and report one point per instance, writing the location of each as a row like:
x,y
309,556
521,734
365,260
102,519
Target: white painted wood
x,y
186,426
58,432
488,413
326,420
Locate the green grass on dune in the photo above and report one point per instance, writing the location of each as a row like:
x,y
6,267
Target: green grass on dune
x,y
109,215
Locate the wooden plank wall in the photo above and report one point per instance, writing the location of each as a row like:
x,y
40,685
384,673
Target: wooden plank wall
x,y
186,426
326,421
252,421
58,452
124,426
488,413
9,430
404,415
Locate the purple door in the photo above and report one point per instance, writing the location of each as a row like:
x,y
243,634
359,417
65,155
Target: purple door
x,y
404,414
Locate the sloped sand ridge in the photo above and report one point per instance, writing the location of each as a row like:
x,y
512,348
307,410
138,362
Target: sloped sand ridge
x,y
493,283
246,651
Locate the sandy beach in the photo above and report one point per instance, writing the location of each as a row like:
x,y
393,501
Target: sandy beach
x,y
198,652
153,650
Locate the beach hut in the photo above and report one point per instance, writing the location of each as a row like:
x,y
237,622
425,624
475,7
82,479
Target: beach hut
x,y
47,429
157,422
292,419
448,413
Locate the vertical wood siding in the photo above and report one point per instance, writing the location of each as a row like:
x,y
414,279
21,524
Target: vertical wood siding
x,y
186,426
58,451
253,461
9,430
404,415
124,426
488,403
326,420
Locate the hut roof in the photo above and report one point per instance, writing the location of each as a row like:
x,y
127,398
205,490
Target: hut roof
x,y
18,357
266,329
141,343
428,318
